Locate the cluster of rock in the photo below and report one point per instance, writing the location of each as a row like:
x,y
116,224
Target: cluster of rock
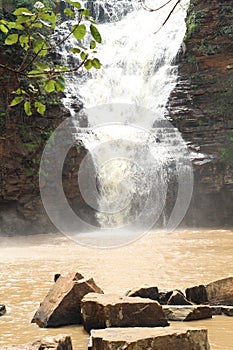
x,y
137,320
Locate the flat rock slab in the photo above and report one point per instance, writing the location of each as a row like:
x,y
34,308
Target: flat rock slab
x,y
170,338
187,313
62,304
60,342
109,310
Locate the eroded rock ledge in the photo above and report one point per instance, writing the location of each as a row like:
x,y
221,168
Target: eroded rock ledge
x,y
201,107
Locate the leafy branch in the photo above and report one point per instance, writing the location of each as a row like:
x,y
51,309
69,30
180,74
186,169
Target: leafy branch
x,y
30,34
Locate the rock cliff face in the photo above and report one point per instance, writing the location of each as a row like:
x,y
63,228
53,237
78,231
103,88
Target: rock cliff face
x,y
201,106
22,141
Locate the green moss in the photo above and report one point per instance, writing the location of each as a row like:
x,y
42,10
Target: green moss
x,y
193,22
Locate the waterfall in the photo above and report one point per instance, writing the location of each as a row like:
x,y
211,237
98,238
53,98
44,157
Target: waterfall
x,y
141,161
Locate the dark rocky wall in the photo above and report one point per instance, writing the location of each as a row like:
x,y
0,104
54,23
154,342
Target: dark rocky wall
x,y
201,106
22,141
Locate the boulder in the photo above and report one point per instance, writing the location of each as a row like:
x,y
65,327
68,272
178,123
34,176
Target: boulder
x,y
197,294
186,313
219,292
2,309
110,310
227,310
170,338
60,342
175,297
178,298
144,292
62,304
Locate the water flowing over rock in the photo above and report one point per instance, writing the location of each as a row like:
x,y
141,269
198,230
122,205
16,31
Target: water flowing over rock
x,y
187,313
170,338
219,292
60,342
140,74
110,310
62,304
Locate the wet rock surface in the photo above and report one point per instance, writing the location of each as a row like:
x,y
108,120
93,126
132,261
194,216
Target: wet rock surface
x,y
170,338
110,310
62,304
186,313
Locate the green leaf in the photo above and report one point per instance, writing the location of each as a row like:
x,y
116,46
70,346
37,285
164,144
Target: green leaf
x,y
83,55
3,28
50,17
27,108
40,48
75,50
49,86
95,33
88,64
84,12
96,63
92,44
76,4
11,39
37,25
41,65
14,25
16,101
34,73
40,107
20,11
79,31
24,40
69,12
59,86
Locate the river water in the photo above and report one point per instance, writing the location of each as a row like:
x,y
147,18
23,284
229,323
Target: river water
x,y
177,260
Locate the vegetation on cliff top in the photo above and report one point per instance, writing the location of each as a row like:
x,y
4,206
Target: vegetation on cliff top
x,y
29,31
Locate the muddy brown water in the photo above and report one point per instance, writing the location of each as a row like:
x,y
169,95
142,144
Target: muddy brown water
x,y
176,260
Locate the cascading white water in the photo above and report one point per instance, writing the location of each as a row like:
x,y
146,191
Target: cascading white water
x,y
138,72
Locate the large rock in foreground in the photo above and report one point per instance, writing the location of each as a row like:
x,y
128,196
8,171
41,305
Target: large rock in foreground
x,y
60,342
215,293
150,338
62,304
110,310
187,313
